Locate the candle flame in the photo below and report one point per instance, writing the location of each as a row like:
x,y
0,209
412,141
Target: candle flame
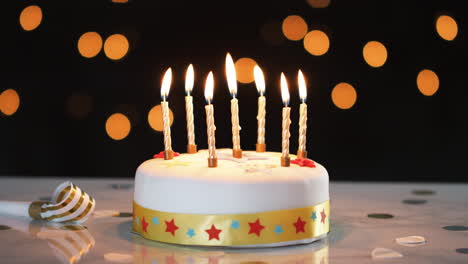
x,y
166,84
209,85
189,79
231,75
302,86
284,90
259,79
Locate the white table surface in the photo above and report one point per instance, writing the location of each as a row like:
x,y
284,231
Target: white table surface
x,y
352,238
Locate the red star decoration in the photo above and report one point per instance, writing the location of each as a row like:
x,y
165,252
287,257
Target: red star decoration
x,y
256,227
323,215
171,260
144,224
160,155
299,225
171,227
213,232
304,163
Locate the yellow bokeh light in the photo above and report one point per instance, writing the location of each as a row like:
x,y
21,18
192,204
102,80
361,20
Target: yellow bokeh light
x,y
9,102
294,27
447,27
118,126
316,42
318,3
375,54
90,44
155,118
428,82
344,95
31,17
116,46
244,70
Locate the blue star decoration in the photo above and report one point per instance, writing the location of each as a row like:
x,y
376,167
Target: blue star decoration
x,y
235,224
156,220
278,229
313,216
190,232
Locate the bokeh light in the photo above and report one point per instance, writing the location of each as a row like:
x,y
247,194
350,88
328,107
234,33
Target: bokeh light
x,y
244,70
446,27
375,54
118,126
427,82
116,46
9,102
90,44
31,17
318,3
344,95
155,118
294,27
79,105
316,42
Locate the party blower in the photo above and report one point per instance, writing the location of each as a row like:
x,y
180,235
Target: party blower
x,y
69,204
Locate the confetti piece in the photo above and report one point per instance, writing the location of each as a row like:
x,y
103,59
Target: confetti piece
x,y
380,216
4,227
414,201
385,253
423,192
118,258
411,241
462,250
456,228
105,213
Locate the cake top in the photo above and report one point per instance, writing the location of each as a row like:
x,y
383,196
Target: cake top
x,y
252,167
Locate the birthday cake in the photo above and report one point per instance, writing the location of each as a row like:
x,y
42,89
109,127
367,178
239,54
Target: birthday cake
x,y
243,202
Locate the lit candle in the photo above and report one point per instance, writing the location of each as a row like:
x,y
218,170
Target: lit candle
x,y
285,160
260,83
302,152
166,85
232,85
189,78
210,125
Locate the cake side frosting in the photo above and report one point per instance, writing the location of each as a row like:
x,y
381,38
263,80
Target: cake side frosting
x,y
255,183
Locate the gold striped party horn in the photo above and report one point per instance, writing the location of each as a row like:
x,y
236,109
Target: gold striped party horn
x,y
69,204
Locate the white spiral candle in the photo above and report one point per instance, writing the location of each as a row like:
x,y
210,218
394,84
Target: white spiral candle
x,y
261,120
285,132
190,125
235,124
167,126
302,126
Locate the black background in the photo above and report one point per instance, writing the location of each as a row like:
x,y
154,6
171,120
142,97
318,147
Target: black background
x,y
393,132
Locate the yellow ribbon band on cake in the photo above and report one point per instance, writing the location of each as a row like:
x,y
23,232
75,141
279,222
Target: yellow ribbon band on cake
x,y
232,229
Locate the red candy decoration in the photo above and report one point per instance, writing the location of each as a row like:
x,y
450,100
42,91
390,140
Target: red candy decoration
x,y
160,155
304,163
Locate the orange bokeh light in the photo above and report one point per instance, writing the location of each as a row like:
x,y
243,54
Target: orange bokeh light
x,y
118,126
447,27
375,54
427,82
318,3
31,17
90,44
116,46
294,27
244,70
344,95
316,42
9,102
155,118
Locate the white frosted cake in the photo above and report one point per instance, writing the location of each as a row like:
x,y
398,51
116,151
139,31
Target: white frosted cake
x,y
247,202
